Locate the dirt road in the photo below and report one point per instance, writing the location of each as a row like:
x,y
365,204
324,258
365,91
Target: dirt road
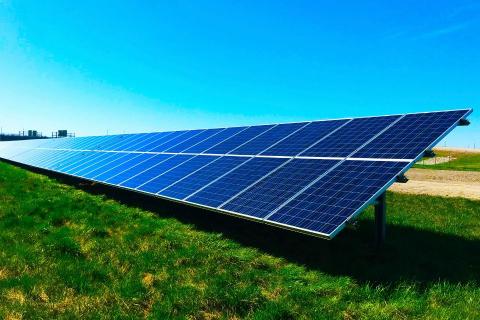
x,y
465,184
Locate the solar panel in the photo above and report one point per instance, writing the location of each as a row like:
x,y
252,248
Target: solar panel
x,y
313,177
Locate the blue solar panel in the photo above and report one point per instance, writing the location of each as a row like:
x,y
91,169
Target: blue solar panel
x,y
216,193
303,138
193,140
30,156
153,138
73,157
100,143
266,195
127,169
202,177
411,135
94,158
127,140
150,169
81,158
168,142
268,138
350,137
237,140
214,140
54,157
117,159
132,141
328,203
156,141
100,161
176,173
180,139
311,177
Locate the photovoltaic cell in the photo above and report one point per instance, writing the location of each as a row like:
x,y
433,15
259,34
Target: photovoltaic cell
x,y
83,158
202,177
176,173
268,138
153,168
235,141
218,192
266,195
214,140
303,138
74,157
336,197
194,140
411,135
92,159
118,159
179,139
122,171
154,137
100,161
166,142
349,137
128,172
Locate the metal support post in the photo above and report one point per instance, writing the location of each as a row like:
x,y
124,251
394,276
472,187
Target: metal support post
x,y
380,220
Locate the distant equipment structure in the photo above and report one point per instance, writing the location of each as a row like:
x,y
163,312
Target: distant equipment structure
x,y
63,134
22,135
34,134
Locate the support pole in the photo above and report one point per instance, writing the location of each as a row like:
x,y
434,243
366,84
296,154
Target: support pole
x,y
380,220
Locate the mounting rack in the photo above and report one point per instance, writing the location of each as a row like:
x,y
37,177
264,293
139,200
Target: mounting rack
x,y
380,220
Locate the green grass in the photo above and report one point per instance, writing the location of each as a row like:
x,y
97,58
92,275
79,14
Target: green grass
x,y
464,161
65,253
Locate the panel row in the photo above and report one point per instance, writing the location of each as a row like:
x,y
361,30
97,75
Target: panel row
x,y
392,137
311,194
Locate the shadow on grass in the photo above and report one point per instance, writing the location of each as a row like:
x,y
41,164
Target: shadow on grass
x,y
409,254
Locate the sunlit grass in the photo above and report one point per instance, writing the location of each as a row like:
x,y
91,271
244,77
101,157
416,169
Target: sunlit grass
x,y
463,161
66,253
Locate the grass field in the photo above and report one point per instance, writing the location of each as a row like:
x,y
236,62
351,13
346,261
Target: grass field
x,y
67,253
464,161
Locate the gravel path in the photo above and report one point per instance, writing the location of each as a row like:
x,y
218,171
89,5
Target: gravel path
x,y
445,183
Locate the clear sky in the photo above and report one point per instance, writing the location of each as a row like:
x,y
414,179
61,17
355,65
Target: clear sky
x,y
135,66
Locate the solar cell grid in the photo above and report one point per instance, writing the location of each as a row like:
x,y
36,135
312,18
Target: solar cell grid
x,y
152,143
268,138
149,169
411,135
175,173
115,159
132,140
188,185
215,140
125,170
49,157
69,158
349,137
155,137
177,140
337,195
237,140
24,155
304,138
93,158
165,142
194,140
260,199
219,191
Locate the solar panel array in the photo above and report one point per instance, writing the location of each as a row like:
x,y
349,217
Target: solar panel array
x,y
311,177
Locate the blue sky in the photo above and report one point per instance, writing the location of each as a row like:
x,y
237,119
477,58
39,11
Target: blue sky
x,y
133,66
